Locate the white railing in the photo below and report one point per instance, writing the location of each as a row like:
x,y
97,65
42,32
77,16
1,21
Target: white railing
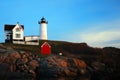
x,y
32,43
25,43
18,42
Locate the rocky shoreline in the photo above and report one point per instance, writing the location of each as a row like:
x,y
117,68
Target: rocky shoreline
x,y
15,65
25,65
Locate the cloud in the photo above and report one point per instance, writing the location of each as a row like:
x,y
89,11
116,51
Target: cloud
x,y
103,36
102,39
98,36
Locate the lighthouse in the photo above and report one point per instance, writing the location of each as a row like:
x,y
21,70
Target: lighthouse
x,y
43,28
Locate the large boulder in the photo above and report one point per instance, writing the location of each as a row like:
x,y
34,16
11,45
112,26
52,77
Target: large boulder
x,y
4,68
56,66
2,50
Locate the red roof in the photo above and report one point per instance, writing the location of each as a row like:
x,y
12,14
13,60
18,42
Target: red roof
x,y
10,27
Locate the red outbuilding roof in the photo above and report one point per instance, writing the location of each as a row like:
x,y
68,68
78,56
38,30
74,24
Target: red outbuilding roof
x,y
45,48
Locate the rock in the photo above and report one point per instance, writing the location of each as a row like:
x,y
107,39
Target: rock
x,y
33,64
80,63
56,66
4,68
15,64
70,73
98,66
20,65
63,63
3,58
14,75
2,50
6,59
14,55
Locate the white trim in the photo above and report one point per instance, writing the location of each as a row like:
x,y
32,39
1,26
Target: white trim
x,y
21,32
46,43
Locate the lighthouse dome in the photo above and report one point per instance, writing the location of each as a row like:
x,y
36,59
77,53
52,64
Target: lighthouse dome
x,y
43,20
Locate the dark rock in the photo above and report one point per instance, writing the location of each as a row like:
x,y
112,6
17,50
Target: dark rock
x,y
33,64
78,62
54,66
2,50
4,69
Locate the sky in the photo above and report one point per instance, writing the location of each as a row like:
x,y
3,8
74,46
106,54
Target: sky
x,y
96,22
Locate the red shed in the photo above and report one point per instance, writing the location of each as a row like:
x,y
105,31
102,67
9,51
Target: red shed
x,y
45,48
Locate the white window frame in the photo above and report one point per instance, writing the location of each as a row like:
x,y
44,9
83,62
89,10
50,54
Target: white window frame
x,y
18,35
17,29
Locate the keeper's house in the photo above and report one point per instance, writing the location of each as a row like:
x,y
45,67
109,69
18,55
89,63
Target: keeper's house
x,y
14,32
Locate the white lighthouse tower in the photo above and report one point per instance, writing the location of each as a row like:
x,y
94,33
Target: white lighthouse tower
x,y
43,28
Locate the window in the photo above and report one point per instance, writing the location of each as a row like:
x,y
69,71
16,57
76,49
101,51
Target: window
x,y
18,35
17,29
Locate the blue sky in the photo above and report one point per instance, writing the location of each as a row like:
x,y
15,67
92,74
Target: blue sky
x,y
96,22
